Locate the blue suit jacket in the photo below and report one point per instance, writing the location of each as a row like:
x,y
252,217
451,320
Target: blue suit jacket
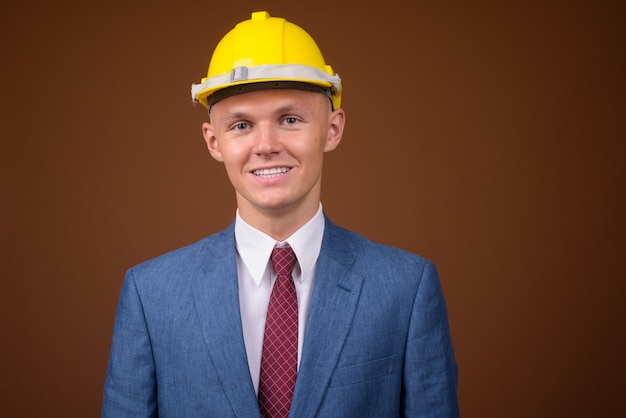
x,y
377,342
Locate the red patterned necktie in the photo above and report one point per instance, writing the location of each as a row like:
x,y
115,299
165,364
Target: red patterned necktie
x,y
279,361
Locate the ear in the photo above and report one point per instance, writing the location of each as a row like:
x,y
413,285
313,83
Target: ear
x,y
211,141
336,124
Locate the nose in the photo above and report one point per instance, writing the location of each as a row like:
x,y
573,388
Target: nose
x,y
266,140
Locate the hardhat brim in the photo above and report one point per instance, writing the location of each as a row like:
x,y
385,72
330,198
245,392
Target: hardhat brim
x,y
244,76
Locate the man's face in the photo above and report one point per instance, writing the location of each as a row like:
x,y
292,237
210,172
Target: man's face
x,y
272,144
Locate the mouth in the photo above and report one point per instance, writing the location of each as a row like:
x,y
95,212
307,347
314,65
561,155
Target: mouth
x,y
269,173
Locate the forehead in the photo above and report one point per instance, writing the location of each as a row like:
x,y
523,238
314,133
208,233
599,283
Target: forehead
x,y
270,100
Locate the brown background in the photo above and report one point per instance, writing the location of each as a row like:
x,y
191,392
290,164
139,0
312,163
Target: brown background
x,y
487,136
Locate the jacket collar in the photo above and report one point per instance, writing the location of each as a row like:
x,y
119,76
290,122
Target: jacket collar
x,y
335,296
216,297
333,303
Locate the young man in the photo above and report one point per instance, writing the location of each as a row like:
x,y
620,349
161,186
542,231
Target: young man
x,y
283,313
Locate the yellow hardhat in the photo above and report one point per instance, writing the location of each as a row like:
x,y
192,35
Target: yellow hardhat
x,y
265,50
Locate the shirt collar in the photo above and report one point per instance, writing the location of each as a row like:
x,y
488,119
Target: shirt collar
x,y
255,247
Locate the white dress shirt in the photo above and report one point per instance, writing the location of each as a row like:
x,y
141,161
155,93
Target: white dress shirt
x,y
257,276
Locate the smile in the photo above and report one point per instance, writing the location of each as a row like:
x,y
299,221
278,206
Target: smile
x,y
271,172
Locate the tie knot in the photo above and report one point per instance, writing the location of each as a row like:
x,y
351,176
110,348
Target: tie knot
x,y
283,259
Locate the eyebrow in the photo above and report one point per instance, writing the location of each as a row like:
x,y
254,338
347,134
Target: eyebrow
x,y
237,114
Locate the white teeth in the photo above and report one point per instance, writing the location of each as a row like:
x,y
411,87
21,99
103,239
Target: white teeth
x,y
271,172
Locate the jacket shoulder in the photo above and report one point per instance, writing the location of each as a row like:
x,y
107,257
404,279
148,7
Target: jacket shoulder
x,y
390,276
188,258
371,255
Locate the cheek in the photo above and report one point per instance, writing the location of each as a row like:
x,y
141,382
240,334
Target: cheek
x,y
312,161
232,162
231,152
311,148
317,151
235,161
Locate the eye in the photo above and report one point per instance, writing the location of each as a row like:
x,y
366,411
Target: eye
x,y
240,126
290,120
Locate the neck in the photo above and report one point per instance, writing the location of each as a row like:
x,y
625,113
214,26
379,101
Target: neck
x,y
279,224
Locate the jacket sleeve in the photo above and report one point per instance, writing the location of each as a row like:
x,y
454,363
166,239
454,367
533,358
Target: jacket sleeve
x,y
130,386
430,370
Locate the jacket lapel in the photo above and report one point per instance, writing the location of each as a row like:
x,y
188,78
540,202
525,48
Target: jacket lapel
x,y
216,298
335,296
